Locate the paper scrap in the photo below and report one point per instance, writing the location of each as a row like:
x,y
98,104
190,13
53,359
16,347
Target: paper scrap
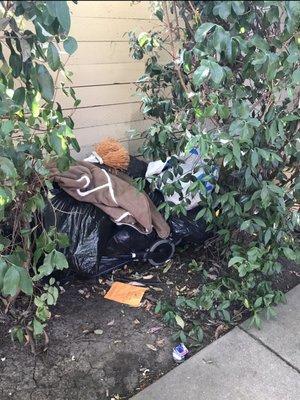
x,y
126,293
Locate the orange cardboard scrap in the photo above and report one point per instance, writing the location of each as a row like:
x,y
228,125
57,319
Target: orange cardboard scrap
x,y
125,293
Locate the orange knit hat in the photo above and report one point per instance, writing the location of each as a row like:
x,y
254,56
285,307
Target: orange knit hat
x,y
113,154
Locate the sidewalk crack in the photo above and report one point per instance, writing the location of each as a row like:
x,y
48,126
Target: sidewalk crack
x,y
270,349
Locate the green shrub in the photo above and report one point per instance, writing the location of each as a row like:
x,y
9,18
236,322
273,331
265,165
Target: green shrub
x,y
230,88
33,130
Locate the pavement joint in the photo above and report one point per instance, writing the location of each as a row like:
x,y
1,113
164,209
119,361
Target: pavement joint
x,y
269,348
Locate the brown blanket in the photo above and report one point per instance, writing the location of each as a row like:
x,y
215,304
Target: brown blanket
x,y
122,202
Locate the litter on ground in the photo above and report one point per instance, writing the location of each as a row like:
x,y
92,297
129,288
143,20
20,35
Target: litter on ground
x,y
126,294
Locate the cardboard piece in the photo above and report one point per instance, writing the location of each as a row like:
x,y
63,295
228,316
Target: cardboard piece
x,y
126,294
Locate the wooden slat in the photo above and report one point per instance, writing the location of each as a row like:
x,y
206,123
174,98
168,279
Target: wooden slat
x,y
105,74
104,53
100,95
105,115
99,30
110,9
121,131
100,53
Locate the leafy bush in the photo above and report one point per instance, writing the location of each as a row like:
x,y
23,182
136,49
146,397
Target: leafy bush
x,y
229,88
33,130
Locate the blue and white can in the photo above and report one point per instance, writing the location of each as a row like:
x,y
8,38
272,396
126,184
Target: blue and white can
x,y
179,353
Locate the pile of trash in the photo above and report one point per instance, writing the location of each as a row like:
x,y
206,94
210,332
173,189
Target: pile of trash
x,y
108,222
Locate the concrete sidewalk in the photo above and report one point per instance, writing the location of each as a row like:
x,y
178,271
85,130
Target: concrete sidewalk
x,y
242,365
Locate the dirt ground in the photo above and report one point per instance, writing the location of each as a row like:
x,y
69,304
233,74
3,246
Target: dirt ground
x,y
133,346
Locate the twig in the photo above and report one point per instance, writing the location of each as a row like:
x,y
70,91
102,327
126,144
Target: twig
x,y
177,67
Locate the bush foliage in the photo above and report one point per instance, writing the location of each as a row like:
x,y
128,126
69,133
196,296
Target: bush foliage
x,y
34,35
229,86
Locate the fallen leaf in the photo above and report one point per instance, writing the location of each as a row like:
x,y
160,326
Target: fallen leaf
x,y
154,329
179,321
151,347
169,282
212,277
98,331
160,342
134,283
168,266
147,305
220,329
117,341
81,291
157,289
136,322
147,276
110,323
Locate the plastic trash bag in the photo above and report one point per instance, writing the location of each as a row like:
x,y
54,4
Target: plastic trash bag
x,y
128,240
88,229
185,229
97,245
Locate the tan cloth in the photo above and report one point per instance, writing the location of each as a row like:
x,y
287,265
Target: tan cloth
x,y
122,202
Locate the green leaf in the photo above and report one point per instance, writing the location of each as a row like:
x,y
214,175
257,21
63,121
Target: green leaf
x,y
7,167
200,75
57,142
11,281
19,96
226,315
254,158
259,222
15,62
60,10
203,30
25,281
3,270
222,9
200,214
289,253
258,302
26,49
260,42
38,328
296,77
70,45
53,57
237,153
235,260
160,15
45,82
245,225
7,127
267,236
238,7
179,321
216,71
59,260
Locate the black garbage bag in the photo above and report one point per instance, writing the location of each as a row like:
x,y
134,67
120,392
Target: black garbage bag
x,y
88,229
137,168
185,229
126,240
97,245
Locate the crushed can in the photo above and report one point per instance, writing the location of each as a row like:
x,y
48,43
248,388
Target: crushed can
x,y
179,353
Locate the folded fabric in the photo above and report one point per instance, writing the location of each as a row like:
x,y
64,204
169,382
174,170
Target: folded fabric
x,y
122,202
